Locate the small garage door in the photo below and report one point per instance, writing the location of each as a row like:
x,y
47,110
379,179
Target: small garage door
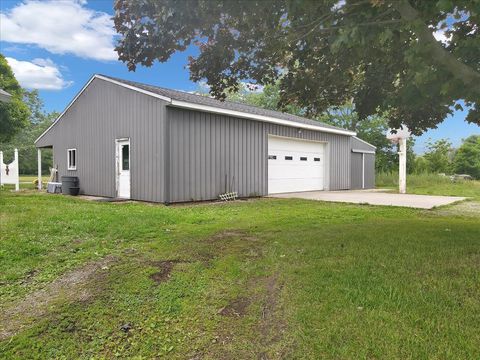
x,y
295,165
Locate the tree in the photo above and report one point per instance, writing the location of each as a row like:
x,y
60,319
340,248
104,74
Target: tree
x,y
24,140
421,165
380,55
467,157
372,129
13,114
439,156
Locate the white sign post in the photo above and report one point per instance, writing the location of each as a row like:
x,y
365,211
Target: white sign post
x,y
400,137
9,172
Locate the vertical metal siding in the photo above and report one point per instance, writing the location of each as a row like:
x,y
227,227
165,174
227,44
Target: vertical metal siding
x,y
356,171
356,165
103,113
369,171
209,152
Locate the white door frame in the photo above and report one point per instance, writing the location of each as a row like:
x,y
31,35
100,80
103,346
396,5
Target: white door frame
x,y
326,166
118,142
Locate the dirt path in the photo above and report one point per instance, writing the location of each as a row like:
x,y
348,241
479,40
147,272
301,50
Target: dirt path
x,y
72,286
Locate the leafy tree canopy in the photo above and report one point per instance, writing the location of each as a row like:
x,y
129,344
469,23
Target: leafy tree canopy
x,y
23,140
13,114
439,156
467,157
380,55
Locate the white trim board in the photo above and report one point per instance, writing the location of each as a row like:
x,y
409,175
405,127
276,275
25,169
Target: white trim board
x,y
363,151
241,114
66,109
131,87
206,108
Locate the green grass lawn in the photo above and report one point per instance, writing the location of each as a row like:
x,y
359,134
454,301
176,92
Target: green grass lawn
x,y
258,279
431,184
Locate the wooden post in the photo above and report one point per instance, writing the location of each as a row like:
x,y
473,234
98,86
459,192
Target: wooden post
x,y
402,170
39,159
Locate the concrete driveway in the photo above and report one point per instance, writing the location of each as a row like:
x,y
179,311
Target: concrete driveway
x,y
375,197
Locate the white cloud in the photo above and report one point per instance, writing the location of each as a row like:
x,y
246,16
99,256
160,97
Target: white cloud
x,y
40,74
442,37
61,27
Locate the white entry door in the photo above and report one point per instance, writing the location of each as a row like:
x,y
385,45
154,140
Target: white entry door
x,y
295,165
123,168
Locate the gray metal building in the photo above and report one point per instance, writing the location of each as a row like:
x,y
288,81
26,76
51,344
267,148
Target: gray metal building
x,y
363,165
130,140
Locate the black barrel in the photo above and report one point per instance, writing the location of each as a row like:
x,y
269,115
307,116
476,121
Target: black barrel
x,y
70,185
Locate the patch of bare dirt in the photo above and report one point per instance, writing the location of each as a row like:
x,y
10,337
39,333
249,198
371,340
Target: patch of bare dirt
x,y
235,308
272,324
72,286
29,276
228,242
229,234
267,332
166,267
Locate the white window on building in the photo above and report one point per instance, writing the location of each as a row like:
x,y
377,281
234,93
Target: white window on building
x,y
72,159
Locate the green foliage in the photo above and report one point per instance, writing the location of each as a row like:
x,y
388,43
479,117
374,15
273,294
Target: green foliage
x,y
267,97
439,156
467,157
13,114
371,129
381,55
421,165
25,138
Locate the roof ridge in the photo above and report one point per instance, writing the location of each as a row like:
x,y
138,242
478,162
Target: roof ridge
x,y
320,123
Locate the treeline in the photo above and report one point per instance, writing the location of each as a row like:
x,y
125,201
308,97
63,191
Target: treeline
x,y
23,140
442,157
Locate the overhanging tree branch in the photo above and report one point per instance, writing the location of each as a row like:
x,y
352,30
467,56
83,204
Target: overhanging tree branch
x,y
458,69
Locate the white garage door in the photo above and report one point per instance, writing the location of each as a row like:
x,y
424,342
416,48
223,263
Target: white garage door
x,y
295,165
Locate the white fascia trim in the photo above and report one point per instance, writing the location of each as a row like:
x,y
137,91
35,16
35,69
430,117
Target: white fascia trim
x,y
68,107
96,76
212,109
133,88
363,151
241,114
366,143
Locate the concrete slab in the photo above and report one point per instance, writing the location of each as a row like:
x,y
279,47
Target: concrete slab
x,y
375,197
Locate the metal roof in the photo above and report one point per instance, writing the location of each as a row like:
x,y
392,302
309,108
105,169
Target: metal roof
x,y
226,105
204,103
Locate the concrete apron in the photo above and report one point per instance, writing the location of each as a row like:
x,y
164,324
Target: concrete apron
x,y
375,197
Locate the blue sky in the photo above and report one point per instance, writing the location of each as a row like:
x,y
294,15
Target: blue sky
x,y
57,46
